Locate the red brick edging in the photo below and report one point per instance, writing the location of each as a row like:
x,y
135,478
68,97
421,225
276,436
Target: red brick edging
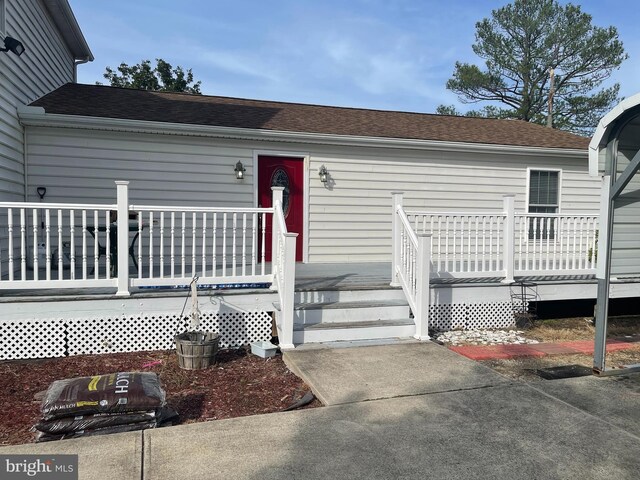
x,y
501,352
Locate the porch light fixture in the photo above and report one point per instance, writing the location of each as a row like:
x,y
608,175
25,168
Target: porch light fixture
x,y
324,175
239,170
12,45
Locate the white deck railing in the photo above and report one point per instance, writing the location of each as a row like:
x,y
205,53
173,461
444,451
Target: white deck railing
x,y
284,270
53,245
50,245
501,244
171,245
463,244
506,244
548,244
57,245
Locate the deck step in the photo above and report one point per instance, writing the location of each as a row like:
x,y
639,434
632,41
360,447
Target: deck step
x,y
327,315
340,312
357,311
331,296
361,330
349,305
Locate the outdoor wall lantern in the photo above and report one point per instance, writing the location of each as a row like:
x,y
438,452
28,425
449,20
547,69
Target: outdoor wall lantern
x,y
12,45
239,170
324,175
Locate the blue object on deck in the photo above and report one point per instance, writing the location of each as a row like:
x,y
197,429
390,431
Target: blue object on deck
x,y
210,286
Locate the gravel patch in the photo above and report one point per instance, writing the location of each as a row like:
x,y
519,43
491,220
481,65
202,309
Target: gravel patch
x,y
484,337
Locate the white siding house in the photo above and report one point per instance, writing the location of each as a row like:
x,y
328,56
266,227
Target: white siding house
x,y
194,200
53,45
77,165
77,157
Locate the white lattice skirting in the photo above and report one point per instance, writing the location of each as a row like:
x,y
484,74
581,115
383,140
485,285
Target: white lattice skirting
x,y
46,338
470,316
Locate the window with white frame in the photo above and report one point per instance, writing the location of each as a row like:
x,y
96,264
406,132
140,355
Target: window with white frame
x,y
544,198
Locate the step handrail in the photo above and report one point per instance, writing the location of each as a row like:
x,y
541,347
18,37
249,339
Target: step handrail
x,y
411,267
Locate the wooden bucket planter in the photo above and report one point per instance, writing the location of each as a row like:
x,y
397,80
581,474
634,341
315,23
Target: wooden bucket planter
x,y
196,350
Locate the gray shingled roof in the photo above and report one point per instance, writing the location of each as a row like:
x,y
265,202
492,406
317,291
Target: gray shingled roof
x,y
123,103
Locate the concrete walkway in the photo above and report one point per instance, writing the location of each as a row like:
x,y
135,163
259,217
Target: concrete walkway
x,y
396,411
347,375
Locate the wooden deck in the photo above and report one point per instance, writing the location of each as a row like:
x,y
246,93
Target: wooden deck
x,y
310,277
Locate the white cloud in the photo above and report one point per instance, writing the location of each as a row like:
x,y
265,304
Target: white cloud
x,y
240,63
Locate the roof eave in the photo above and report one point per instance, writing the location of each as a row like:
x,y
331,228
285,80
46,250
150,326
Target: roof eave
x,y
36,116
62,15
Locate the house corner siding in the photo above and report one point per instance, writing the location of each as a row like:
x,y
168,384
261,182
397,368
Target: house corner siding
x,y
45,65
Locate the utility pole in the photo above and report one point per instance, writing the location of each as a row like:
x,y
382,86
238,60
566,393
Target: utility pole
x,y
551,92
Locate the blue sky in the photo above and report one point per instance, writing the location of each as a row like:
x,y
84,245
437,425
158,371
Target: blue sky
x,y
385,54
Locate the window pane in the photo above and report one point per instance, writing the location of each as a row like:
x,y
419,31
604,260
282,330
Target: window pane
x,y
534,188
543,188
543,198
553,188
535,209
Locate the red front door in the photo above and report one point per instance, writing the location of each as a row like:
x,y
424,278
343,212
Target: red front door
x,y
287,172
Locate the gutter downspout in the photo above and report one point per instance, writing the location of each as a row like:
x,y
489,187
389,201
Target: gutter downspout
x,y
25,158
75,67
20,110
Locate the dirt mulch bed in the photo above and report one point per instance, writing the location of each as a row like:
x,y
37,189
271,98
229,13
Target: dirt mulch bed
x,y
239,384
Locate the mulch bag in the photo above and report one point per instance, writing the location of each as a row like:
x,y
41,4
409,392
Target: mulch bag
x,y
122,392
92,422
48,437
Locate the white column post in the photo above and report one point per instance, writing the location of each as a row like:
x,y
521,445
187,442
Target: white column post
x,y
123,237
508,242
276,199
289,280
423,269
395,238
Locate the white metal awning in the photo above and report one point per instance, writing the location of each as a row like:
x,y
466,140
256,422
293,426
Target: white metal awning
x,y
601,136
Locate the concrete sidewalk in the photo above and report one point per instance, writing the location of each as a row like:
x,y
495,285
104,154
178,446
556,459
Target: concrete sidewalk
x,y
420,411
117,456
